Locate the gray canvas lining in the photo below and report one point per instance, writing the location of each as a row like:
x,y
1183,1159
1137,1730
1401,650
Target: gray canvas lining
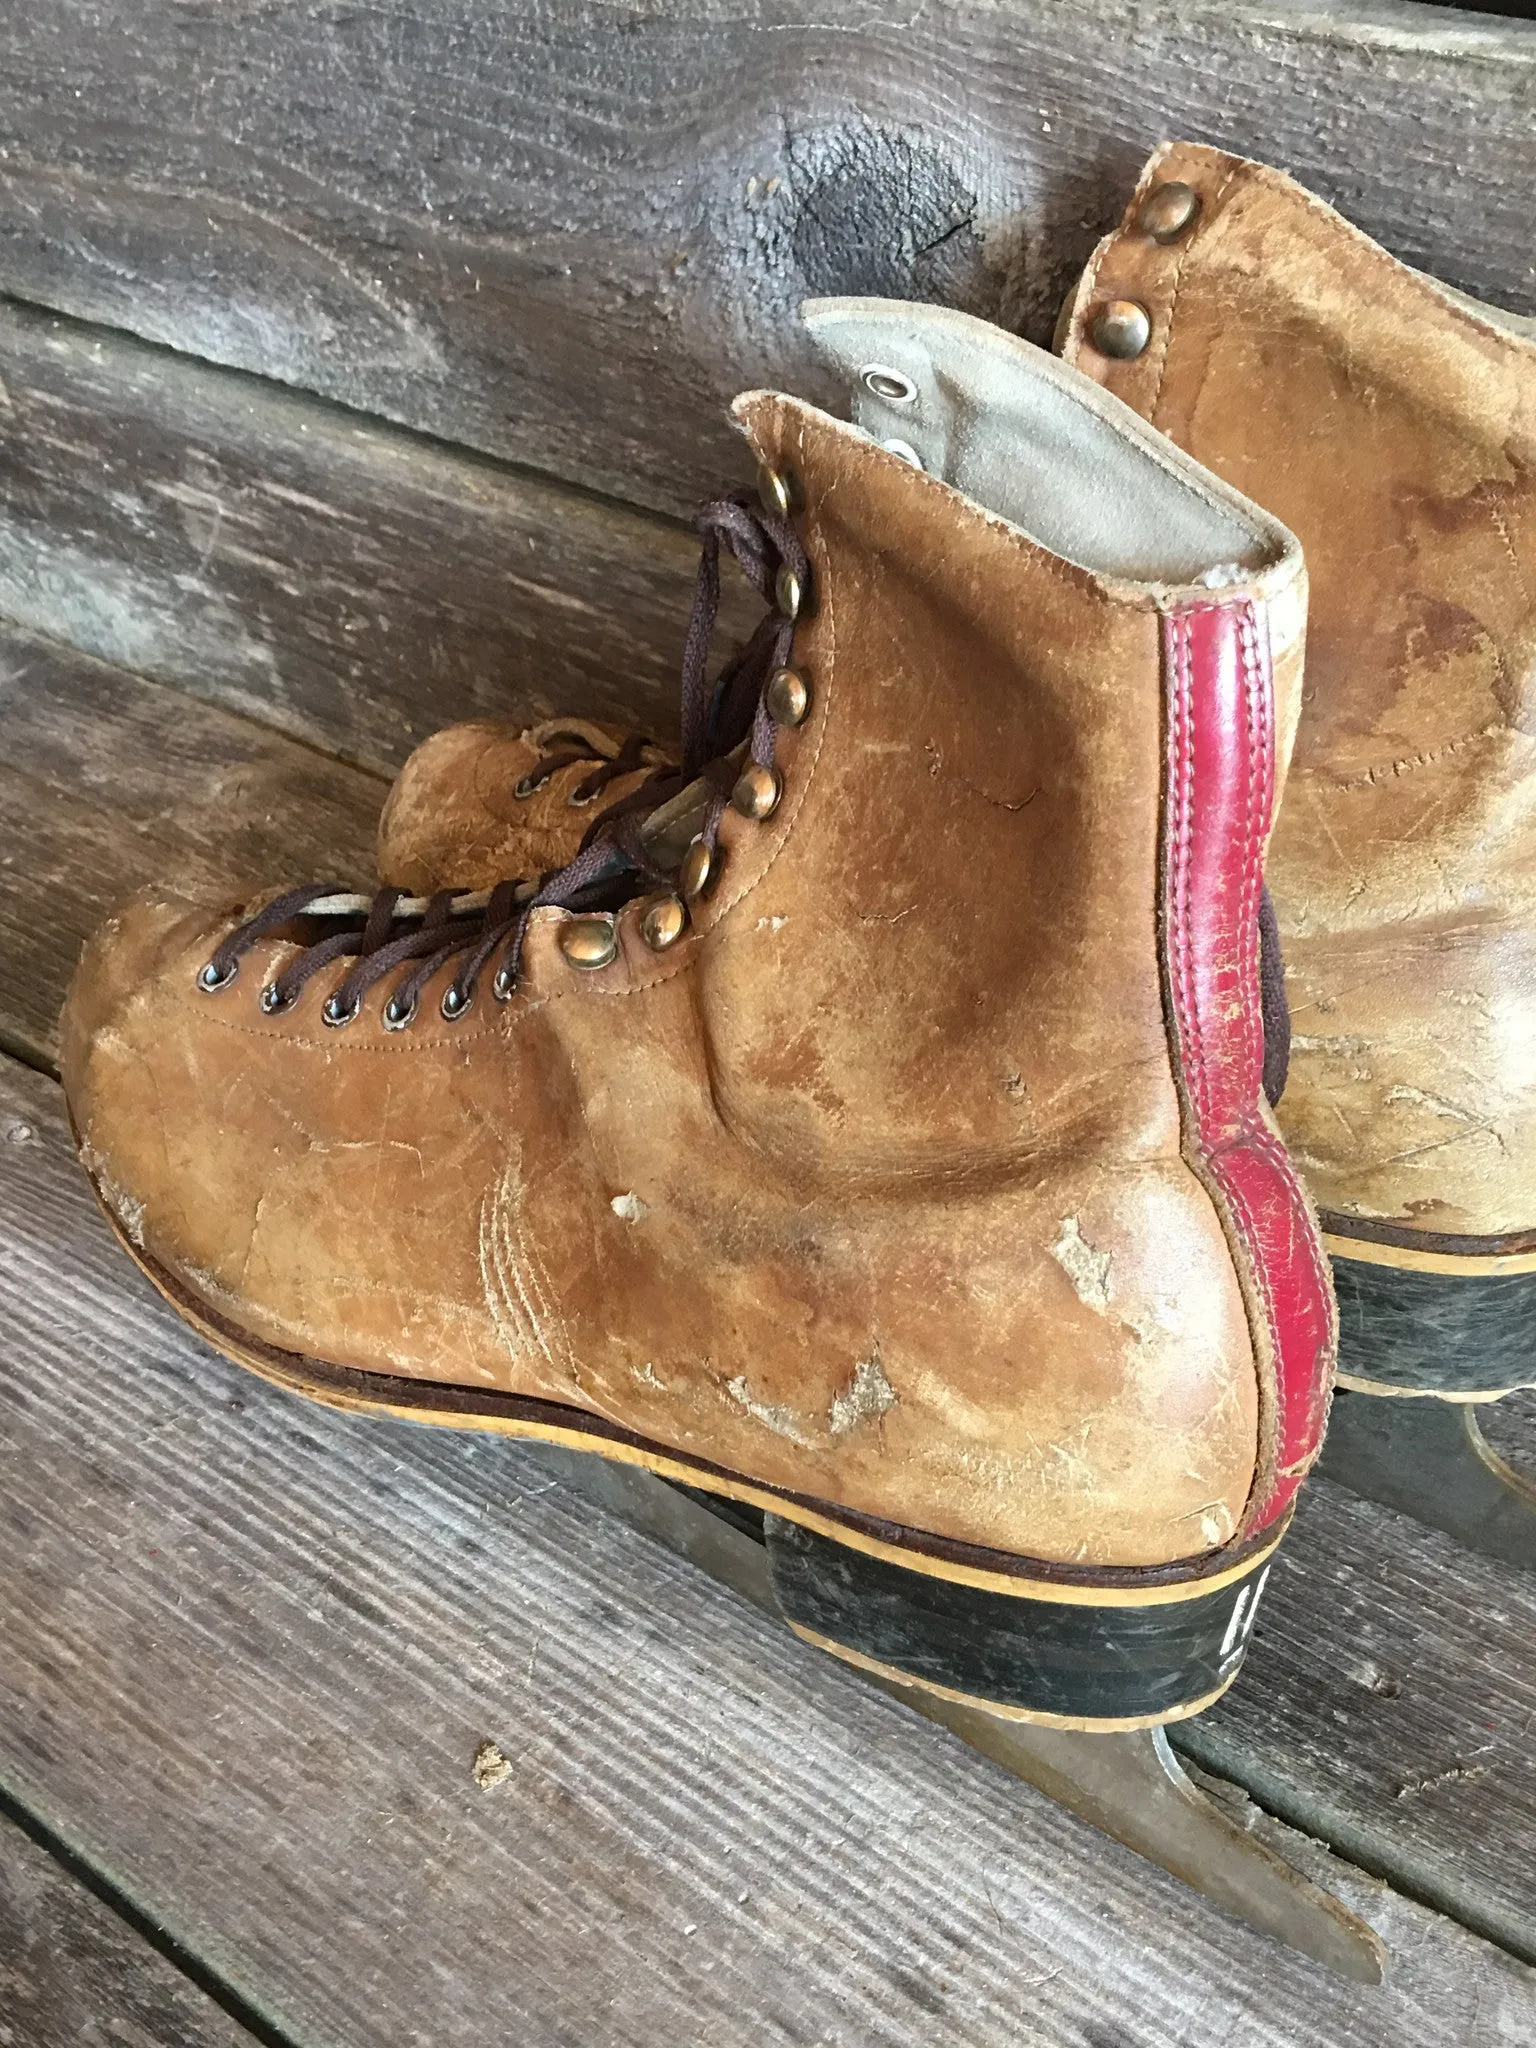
x,y
1040,445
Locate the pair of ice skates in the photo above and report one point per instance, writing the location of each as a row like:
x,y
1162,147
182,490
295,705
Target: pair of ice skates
x,y
858,1117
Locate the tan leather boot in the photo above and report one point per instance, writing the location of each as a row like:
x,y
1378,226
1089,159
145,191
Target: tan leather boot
x,y
1392,424
884,1147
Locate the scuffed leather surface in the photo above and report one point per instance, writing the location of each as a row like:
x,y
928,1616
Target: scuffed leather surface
x,y
454,820
872,1188
1394,430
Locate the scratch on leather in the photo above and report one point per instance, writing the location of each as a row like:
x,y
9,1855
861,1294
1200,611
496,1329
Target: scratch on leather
x,y
512,1276
867,1396
782,1421
1085,1266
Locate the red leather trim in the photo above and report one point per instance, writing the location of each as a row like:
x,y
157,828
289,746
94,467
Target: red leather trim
x,y
1220,794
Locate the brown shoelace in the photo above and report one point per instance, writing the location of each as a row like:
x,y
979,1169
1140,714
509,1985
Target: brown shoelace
x,y
390,931
570,749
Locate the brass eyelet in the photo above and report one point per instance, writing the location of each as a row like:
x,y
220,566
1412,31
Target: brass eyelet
x,y
696,875
789,591
663,922
757,791
1121,329
788,697
589,943
778,489
397,1016
893,386
1168,211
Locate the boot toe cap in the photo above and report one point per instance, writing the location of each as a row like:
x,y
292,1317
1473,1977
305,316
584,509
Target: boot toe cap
x,y
146,1063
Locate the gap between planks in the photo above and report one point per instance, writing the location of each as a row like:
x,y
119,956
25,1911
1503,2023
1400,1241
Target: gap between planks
x,y
75,1969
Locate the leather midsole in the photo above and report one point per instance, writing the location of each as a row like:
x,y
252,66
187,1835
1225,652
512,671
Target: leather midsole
x,y
1369,1251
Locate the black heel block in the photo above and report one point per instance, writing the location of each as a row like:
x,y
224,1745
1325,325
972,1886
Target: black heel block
x,y
1078,1662
1435,1333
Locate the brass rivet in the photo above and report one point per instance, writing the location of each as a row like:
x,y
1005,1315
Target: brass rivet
x,y
787,697
1168,210
777,489
757,791
789,591
589,942
1121,329
663,923
696,872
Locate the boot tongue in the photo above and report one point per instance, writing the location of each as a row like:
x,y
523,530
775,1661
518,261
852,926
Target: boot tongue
x,y
670,829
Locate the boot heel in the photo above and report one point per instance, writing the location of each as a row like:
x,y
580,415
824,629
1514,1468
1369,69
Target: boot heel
x,y
1075,1663
1403,1331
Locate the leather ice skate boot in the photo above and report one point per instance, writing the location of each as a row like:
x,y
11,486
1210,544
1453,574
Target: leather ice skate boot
x,y
873,1132
488,798
1391,423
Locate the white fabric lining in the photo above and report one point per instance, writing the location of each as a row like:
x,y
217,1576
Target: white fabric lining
x,y
1044,447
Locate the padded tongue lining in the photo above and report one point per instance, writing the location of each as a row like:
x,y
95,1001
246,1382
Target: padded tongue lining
x,y
1037,443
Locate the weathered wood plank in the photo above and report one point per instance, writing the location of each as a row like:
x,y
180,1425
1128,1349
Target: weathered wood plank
x,y
1389,1709
567,234
353,584
253,1647
73,1975
107,782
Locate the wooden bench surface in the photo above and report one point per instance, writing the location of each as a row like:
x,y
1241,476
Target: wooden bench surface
x,y
569,235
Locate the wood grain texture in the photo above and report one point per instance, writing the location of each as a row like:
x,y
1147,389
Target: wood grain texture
x,y
567,234
350,583
1389,1706
108,782
73,1975
252,1648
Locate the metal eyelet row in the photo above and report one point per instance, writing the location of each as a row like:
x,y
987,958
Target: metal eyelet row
x,y
1122,328
395,1016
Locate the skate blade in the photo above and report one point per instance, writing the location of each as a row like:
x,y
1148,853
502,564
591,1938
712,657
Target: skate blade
x,y
1429,1458
1129,1785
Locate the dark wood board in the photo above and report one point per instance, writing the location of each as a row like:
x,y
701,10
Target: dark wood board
x,y
108,782
351,583
252,1649
74,1975
567,234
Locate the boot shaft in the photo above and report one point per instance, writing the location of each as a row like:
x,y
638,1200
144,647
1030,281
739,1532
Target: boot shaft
x,y
947,956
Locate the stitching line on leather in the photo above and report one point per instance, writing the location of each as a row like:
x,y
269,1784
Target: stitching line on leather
x,y
1259,748
1183,842
1178,279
